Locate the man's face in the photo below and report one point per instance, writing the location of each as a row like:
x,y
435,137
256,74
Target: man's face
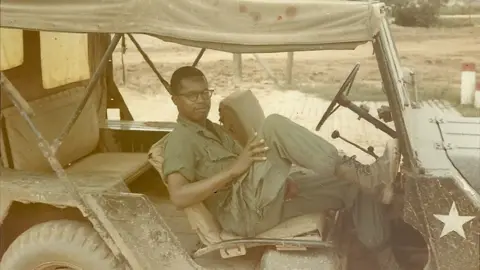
x,y
193,99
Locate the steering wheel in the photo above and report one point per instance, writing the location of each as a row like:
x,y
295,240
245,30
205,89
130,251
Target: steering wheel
x,y
342,92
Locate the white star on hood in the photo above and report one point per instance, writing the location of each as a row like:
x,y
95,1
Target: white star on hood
x,y
453,222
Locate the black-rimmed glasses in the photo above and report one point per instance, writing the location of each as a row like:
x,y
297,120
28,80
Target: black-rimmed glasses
x,y
195,95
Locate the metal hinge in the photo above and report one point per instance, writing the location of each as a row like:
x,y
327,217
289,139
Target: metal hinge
x,y
438,120
443,146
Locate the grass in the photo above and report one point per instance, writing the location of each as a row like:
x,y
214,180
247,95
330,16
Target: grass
x,y
457,22
452,22
460,10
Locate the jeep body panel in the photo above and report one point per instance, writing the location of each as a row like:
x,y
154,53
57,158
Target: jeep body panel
x,y
461,141
438,186
139,231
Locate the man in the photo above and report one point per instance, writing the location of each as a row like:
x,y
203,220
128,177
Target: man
x,y
245,188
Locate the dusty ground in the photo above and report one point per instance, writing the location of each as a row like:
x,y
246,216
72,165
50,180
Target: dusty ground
x,y
435,54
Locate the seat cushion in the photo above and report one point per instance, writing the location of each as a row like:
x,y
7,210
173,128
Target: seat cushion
x,y
297,226
155,156
52,113
290,228
126,166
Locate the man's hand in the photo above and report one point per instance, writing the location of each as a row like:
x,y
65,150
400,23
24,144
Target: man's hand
x,y
253,151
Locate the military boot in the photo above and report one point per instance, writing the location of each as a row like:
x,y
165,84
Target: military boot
x,y
386,260
376,178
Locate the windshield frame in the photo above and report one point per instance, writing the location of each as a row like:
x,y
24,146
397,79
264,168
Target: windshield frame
x,y
395,89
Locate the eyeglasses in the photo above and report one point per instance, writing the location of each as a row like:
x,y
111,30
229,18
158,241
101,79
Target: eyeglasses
x,y
194,96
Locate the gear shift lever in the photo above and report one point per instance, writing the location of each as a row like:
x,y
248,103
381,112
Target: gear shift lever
x,y
369,150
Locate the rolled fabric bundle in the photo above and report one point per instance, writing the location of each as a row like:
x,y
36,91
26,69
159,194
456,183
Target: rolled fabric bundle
x,y
241,115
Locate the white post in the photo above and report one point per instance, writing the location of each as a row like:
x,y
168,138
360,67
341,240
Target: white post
x,y
467,86
237,67
289,70
477,96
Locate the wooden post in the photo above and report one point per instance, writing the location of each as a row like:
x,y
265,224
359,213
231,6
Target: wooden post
x,y
289,70
237,67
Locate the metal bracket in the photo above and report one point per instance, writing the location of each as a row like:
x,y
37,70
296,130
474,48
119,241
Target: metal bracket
x,y
438,120
237,251
443,146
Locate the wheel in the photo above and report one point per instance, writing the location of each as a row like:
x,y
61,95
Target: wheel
x,y
343,91
59,245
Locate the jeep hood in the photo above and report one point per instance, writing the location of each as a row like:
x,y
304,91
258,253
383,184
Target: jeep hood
x,y
461,141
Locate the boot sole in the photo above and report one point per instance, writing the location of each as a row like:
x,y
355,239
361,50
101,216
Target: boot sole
x,y
394,156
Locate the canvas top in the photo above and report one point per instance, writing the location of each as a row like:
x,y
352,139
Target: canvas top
x,y
228,25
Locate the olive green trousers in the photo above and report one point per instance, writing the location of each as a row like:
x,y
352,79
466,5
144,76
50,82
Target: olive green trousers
x,y
257,203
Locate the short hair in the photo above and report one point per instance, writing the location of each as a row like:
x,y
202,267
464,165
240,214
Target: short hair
x,y
183,73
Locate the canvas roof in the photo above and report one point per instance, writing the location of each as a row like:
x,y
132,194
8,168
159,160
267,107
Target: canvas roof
x,y
230,25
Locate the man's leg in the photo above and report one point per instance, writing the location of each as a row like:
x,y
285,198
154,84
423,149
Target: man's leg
x,y
296,144
320,193
315,193
260,194
288,143
373,229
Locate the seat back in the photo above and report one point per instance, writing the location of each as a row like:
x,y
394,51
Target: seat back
x,y
241,115
51,115
200,219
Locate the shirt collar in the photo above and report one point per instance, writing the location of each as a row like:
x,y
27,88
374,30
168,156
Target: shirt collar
x,y
200,129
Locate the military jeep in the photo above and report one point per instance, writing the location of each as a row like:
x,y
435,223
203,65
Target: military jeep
x,y
77,190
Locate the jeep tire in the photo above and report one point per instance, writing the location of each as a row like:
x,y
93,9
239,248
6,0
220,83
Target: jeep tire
x,y
59,243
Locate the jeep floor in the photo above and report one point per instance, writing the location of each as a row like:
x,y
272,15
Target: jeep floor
x,y
179,224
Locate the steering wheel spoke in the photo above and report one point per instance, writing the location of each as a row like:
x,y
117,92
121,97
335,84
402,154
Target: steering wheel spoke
x,y
349,88
334,110
343,91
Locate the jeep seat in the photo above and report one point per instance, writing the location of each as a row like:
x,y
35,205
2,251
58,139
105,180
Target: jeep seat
x,y
127,166
76,154
202,221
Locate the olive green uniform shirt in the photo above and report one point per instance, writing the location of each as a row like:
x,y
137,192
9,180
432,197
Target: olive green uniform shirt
x,y
199,153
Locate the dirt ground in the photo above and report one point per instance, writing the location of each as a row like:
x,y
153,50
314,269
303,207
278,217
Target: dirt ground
x,y
434,54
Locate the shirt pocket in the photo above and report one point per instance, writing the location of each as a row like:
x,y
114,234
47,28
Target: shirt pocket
x,y
215,159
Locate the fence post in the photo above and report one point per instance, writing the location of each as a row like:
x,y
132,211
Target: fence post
x,y
237,67
289,70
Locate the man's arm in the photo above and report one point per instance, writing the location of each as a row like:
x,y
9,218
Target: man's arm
x,y
179,170
184,194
